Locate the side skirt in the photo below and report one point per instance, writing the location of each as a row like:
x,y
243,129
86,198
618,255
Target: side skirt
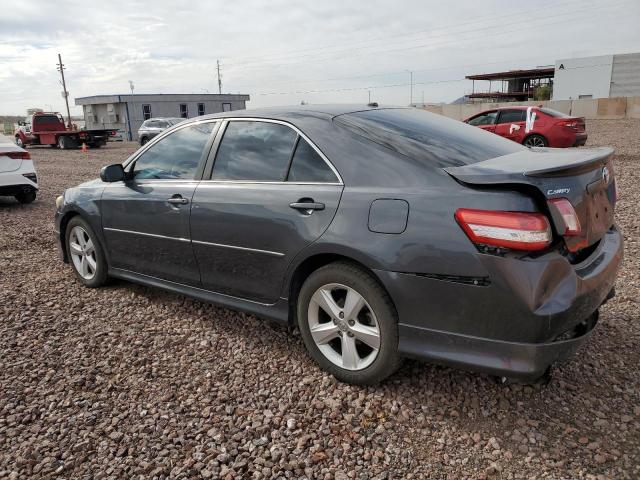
x,y
278,311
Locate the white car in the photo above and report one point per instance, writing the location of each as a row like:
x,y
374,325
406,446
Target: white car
x,y
17,173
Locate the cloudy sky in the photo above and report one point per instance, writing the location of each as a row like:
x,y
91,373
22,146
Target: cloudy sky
x,y
286,51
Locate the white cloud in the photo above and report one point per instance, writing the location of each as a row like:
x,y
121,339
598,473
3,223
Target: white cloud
x,y
327,51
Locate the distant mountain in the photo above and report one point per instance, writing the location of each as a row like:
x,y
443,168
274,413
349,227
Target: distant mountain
x,y
460,100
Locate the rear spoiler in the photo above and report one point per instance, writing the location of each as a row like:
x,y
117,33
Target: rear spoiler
x,y
532,163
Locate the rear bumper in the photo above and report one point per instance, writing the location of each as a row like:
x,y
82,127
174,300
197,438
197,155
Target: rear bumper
x,y
508,322
509,359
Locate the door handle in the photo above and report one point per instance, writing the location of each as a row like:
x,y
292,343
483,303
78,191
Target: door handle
x,y
178,200
307,206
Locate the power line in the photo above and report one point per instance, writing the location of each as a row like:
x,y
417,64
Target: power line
x,y
343,53
420,32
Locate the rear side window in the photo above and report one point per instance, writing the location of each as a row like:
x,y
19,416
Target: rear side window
x,y
427,137
308,166
510,116
174,157
258,151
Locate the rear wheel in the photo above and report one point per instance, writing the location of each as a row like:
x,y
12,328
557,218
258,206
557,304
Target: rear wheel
x,y
85,252
535,141
26,197
349,324
65,143
143,140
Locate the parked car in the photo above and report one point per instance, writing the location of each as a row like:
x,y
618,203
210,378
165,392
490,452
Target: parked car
x,y
550,127
381,233
17,173
117,136
154,126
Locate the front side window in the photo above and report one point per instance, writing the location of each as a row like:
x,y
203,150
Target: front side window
x,y
174,157
308,166
184,111
488,118
511,116
255,151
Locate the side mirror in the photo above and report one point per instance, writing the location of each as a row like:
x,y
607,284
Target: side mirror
x,y
112,173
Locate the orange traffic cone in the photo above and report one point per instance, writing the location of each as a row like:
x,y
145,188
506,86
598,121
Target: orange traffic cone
x,y
85,149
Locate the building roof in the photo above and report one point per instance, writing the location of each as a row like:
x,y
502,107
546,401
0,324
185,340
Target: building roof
x,y
161,97
546,72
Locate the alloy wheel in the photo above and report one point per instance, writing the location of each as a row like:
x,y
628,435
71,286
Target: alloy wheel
x,y
534,142
343,326
83,253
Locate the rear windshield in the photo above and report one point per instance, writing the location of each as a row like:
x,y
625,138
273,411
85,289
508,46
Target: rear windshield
x,y
47,120
426,136
553,113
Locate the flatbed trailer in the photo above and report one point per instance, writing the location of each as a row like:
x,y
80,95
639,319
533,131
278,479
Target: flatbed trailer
x,y
48,128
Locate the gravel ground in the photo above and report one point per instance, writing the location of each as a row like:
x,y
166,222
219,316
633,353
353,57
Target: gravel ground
x,y
128,381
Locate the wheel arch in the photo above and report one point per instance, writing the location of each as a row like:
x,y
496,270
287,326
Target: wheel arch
x,y
312,263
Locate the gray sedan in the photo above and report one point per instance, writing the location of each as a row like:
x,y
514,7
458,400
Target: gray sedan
x,y
381,233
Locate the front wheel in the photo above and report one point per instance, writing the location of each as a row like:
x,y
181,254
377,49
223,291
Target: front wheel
x,y
349,324
86,254
27,197
19,141
535,141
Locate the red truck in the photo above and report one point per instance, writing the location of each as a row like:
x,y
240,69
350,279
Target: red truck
x,y
48,128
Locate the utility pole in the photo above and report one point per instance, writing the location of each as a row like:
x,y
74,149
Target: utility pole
x,y
219,79
411,73
65,94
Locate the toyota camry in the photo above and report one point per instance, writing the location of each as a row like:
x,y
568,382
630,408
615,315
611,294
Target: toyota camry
x,y
381,233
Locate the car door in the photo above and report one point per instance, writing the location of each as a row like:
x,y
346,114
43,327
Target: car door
x,y
145,218
270,194
485,121
511,124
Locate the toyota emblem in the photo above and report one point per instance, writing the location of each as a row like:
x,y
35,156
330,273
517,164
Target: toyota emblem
x,y
605,174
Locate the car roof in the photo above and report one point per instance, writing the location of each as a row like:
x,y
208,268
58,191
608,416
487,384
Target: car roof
x,y
297,111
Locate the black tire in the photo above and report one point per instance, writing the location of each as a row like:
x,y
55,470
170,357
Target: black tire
x,y
63,143
535,140
143,140
387,360
26,197
19,141
100,277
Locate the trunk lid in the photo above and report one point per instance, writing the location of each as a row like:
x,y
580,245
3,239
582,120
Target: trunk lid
x,y
583,176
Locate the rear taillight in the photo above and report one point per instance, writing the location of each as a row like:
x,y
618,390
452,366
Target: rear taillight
x,y
570,220
515,230
572,124
18,155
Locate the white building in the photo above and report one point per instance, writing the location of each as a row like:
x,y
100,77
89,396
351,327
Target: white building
x,y
127,112
597,77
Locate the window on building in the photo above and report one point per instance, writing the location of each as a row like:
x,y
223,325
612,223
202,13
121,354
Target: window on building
x,y
308,166
226,107
146,112
184,111
176,156
200,109
258,151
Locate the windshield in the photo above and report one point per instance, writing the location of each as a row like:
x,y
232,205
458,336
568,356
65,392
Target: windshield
x,y
426,136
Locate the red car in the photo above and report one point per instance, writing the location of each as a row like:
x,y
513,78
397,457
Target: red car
x,y
550,127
